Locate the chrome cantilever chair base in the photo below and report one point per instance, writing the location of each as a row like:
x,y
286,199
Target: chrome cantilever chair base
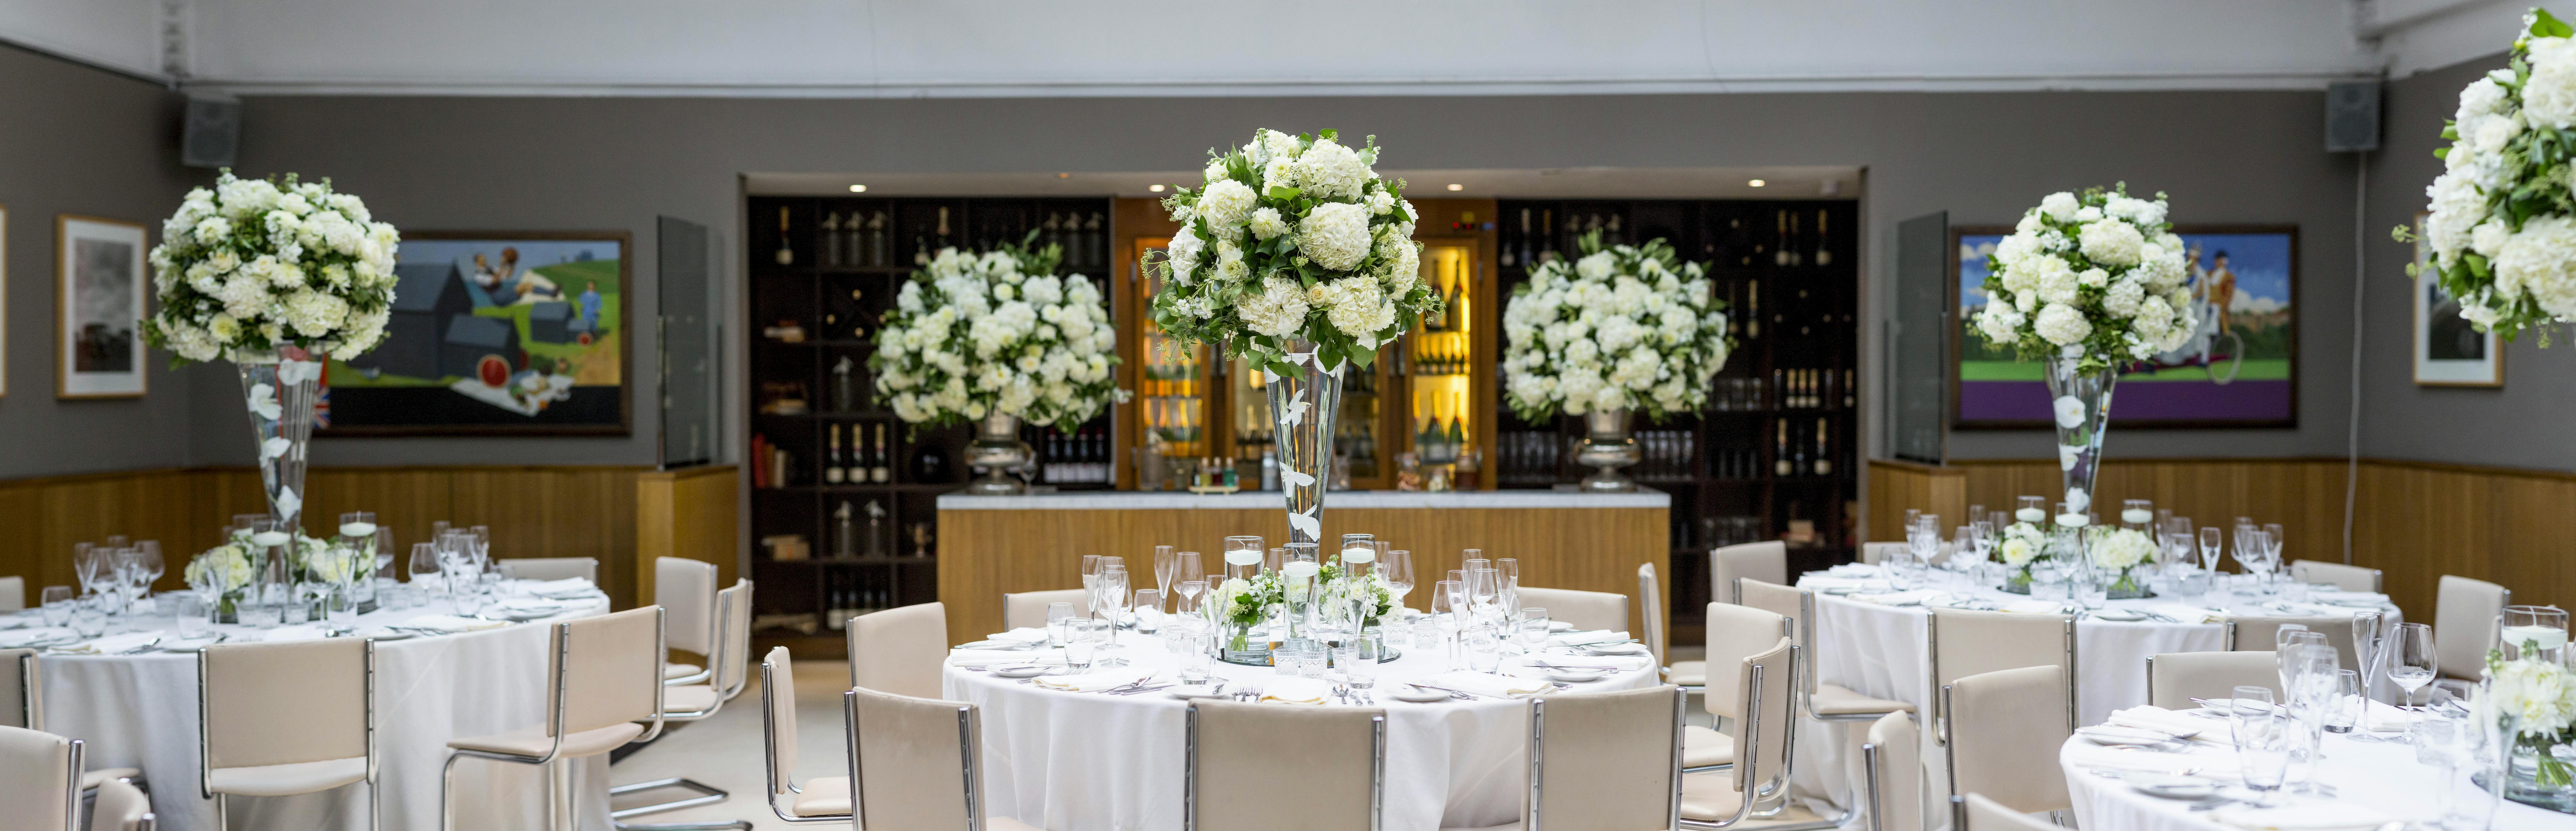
x,y
707,795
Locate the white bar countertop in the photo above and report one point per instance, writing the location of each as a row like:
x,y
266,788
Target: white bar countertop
x,y
1253,500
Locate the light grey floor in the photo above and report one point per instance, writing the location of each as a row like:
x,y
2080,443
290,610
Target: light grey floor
x,y
725,751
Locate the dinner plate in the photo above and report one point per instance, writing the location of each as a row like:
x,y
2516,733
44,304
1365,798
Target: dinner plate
x,y
381,633
2118,614
1022,671
995,645
190,645
1417,695
1839,591
1575,676
1619,648
1187,691
1560,626
2171,787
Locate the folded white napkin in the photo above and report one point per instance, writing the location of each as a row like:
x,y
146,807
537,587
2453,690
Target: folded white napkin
x,y
997,657
1618,663
553,588
528,604
452,623
2215,765
1813,583
298,632
2347,598
1582,638
2306,816
2116,733
1915,597
2168,722
1489,685
112,644
1024,634
38,634
1294,690
2186,613
1852,570
2386,718
2035,607
1095,681
15,621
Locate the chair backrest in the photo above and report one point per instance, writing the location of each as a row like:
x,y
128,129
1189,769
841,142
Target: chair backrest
x,y
1586,610
1735,633
1763,736
1650,601
22,695
2174,678
1988,815
286,702
608,670
1966,643
2347,578
1892,759
13,593
555,568
1873,553
916,761
900,650
1028,609
2256,633
778,717
731,662
1766,561
40,777
1798,606
686,591
120,807
2464,624
1605,761
1236,752
2005,730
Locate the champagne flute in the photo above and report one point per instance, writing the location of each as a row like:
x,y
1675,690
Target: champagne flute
x,y
2411,660
1186,568
2209,540
1111,603
1507,595
1090,571
1166,565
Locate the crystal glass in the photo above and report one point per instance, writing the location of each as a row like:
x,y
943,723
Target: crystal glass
x,y
1189,591
2538,632
1148,600
2343,711
1395,566
2437,743
1299,566
2311,695
424,563
89,620
56,603
1090,569
1110,607
2209,540
1190,648
1167,565
1344,658
258,612
1188,566
192,617
1078,651
1511,582
1056,615
1361,669
2285,656
1484,649
1532,629
2262,741
2412,662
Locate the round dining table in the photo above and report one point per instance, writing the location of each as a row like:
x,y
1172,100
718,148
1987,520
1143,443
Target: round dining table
x,y
1098,761
137,707
2374,781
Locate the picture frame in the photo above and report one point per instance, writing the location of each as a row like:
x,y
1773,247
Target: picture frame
x,y
2448,352
4,300
2240,371
100,291
496,333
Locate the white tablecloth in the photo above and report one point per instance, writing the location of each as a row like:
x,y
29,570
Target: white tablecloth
x,y
2381,775
1093,762
141,711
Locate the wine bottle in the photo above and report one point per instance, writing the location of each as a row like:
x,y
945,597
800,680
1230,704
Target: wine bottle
x,y
1780,240
1752,309
1780,451
833,472
832,238
920,250
1850,400
852,248
1824,254
879,469
1547,228
1824,465
786,250
877,239
943,228
1790,245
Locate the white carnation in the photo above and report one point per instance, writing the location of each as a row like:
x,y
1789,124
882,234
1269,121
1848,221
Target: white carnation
x,y
1335,235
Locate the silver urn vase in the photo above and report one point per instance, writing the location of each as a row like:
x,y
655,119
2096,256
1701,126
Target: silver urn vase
x,y
1607,447
998,450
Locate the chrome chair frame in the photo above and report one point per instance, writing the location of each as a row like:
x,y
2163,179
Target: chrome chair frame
x,y
1950,762
1377,770
769,751
1651,597
1941,721
1750,756
969,765
30,693
1538,763
1805,634
205,771
707,794
72,795
554,725
1787,630
1875,803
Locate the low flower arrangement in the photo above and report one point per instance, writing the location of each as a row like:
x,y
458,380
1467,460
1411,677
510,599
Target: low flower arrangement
x,y
2024,544
1622,328
2122,551
973,335
2536,701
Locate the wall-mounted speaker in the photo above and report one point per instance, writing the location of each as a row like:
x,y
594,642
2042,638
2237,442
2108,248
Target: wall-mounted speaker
x,y
2352,116
213,132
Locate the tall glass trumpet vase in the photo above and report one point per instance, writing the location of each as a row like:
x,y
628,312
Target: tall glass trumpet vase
x,y
1607,447
997,449
1302,407
2080,402
279,389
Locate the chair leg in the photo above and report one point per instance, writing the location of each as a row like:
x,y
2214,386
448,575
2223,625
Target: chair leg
x,y
707,795
223,817
446,813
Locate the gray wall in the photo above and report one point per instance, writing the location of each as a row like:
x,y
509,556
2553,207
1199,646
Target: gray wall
x,y
575,163
81,141
2521,425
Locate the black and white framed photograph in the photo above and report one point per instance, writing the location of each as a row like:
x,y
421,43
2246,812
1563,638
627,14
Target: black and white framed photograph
x,y
99,289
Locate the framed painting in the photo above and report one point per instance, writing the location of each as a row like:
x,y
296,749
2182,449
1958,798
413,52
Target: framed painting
x,y
2448,351
2239,369
495,333
99,288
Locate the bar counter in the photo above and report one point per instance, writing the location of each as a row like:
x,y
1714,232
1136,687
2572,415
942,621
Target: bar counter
x,y
989,545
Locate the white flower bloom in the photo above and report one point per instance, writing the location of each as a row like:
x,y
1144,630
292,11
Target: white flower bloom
x,y
2540,263
2549,96
2112,242
1327,170
1278,310
2088,213
1335,235
2061,324
2060,206
2000,322
2494,132
1225,205
2123,297
1266,223
2481,97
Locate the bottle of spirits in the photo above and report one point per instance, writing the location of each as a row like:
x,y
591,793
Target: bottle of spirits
x,y
853,248
920,250
1547,228
879,470
786,250
833,472
832,238
1850,398
845,536
1611,233
1780,465
1824,457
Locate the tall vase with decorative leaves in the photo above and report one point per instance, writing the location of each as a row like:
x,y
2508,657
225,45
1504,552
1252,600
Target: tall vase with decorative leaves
x,y
279,387
1303,405
2081,404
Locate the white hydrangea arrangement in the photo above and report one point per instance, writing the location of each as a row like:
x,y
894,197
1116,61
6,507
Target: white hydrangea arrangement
x,y
972,335
2540,699
1292,238
2502,228
2096,277
224,569
1624,327
255,265
2121,551
2024,545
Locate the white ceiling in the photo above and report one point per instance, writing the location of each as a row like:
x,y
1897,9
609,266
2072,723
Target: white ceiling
x,y
891,48
1778,182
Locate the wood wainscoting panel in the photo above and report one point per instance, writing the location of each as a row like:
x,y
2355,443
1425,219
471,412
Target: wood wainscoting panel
x,y
691,513
1896,487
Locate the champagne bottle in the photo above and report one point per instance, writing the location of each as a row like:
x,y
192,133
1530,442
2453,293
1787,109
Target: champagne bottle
x,y
920,250
1547,228
1824,254
943,228
1752,309
832,238
877,239
1790,245
878,468
1824,461
833,472
1780,240
1780,451
786,250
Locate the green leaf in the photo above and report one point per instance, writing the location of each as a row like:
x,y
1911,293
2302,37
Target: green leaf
x,y
1284,193
2543,24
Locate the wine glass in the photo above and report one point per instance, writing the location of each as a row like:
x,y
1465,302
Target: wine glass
x,y
85,566
1188,603
1148,599
1396,567
56,604
424,562
1166,565
2411,660
1186,568
1508,587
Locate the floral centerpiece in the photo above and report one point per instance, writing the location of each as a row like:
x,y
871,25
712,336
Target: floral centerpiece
x,y
1238,605
2120,551
2533,699
2502,229
1296,257
2089,282
272,276
998,339
1377,598
2024,545
221,575
1623,328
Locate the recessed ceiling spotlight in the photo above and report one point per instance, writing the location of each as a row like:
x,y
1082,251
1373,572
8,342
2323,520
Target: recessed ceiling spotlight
x,y
1755,183
858,188
1154,188
1456,186
1064,175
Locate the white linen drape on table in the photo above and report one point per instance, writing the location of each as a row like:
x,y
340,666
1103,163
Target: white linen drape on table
x,y
2384,776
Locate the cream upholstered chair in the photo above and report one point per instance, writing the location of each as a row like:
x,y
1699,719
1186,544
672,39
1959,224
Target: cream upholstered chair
x,y
1873,553
603,691
121,807
1823,702
1755,792
2174,678
696,702
280,719
13,593
1688,675
1734,634
552,568
1765,561
22,704
40,779
2464,625
1965,643
1028,609
686,591
820,799
2258,633
1586,610
2347,578
900,650
1607,761
928,772
1988,815
1892,774
2005,729
1239,749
